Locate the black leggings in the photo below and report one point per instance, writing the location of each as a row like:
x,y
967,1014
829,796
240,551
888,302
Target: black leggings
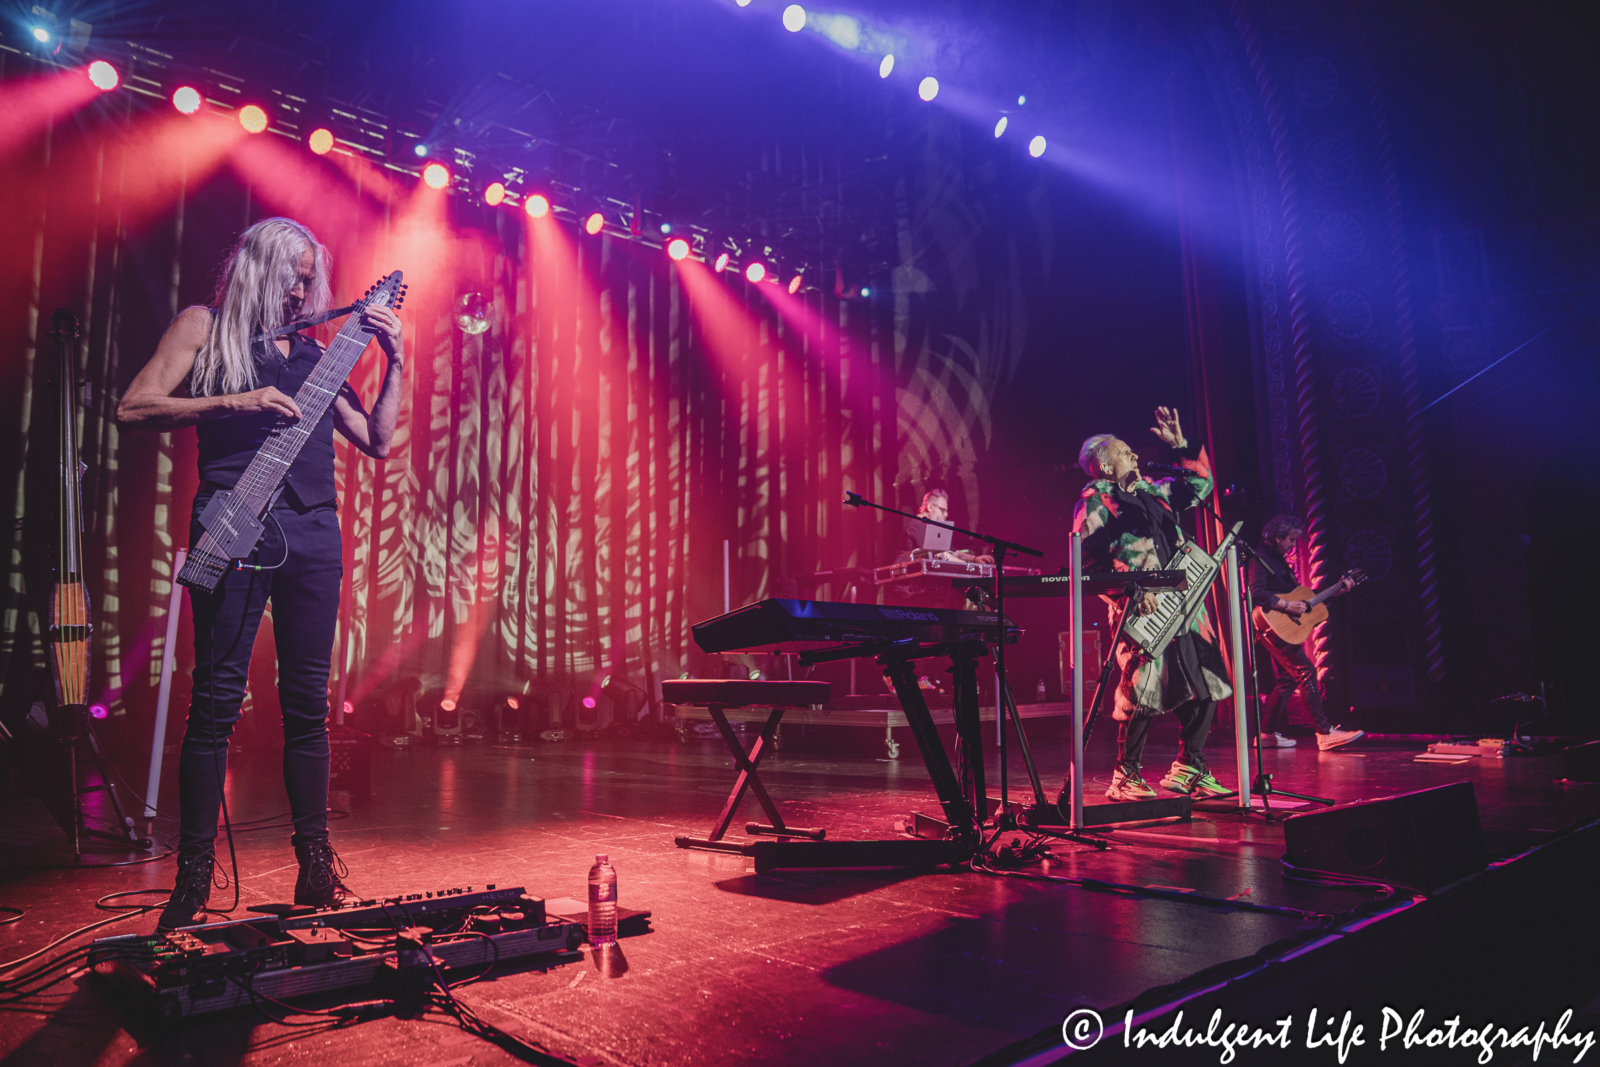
x,y
1194,724
304,592
1294,670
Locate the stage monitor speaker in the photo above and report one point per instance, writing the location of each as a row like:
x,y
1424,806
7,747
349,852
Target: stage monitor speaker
x,y
1422,840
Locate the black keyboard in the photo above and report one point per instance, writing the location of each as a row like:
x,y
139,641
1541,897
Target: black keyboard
x,y
1100,582
814,625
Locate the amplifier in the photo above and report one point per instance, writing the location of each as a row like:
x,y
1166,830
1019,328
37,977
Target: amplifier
x,y
1093,655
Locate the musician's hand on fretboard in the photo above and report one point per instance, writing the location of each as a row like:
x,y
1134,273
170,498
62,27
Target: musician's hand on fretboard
x,y
266,398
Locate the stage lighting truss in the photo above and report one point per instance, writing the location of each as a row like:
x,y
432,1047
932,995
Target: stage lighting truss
x,y
325,128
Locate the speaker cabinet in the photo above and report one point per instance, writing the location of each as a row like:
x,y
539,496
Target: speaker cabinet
x,y
1422,840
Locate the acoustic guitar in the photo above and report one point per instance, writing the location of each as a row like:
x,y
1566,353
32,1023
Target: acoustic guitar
x,y
1295,629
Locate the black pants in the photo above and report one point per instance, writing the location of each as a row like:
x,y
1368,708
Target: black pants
x,y
304,591
1194,724
1294,670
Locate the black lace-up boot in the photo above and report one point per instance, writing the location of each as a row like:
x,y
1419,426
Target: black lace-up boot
x,y
320,871
187,905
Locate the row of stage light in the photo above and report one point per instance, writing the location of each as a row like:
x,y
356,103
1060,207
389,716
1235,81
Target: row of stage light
x,y
253,118
796,18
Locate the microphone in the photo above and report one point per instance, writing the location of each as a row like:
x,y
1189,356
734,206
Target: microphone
x,y
1163,468
852,499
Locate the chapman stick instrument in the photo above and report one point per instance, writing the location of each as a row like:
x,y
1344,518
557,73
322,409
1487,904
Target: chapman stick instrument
x,y
232,521
69,600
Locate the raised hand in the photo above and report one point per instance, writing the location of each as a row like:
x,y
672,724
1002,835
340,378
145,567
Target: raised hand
x,y
1167,428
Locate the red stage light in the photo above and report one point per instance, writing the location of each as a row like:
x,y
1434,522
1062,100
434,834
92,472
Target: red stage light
x,y
186,100
588,702
320,141
447,705
794,284
513,703
594,224
536,206
436,175
349,708
98,711
253,119
494,194
678,248
103,76
755,272
722,263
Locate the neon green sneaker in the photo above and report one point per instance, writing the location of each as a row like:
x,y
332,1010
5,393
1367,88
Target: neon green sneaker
x,y
1196,781
1126,786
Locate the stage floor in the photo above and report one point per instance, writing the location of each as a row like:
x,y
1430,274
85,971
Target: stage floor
x,y
840,968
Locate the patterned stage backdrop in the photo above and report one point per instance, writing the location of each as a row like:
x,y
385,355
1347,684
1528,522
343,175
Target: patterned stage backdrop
x,y
585,425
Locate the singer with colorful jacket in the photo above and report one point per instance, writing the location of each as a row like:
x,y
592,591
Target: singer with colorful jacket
x,y
1130,522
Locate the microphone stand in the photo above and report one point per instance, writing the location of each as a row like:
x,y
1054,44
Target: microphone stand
x,y
1004,820
1261,785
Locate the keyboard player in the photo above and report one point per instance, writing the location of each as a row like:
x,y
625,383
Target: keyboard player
x,y
934,593
1130,522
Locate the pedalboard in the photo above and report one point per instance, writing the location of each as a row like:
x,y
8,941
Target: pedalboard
x,y
287,952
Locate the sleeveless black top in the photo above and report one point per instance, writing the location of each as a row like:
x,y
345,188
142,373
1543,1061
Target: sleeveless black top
x,y
228,444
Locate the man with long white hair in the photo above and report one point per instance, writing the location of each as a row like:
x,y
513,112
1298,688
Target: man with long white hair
x,y
211,371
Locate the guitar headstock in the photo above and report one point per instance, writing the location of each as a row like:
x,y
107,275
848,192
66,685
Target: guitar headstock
x,y
388,291
1356,576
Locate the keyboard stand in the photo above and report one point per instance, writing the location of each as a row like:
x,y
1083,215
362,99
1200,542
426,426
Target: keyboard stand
x,y
959,802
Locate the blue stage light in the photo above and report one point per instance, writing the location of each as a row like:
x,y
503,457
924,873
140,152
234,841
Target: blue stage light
x,y
886,67
794,18
1000,127
421,150
928,88
1036,146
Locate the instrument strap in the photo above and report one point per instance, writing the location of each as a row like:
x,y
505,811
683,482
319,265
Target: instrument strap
x,y
305,324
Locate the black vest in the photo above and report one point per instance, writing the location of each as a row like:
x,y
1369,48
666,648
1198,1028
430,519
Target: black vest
x,y
228,444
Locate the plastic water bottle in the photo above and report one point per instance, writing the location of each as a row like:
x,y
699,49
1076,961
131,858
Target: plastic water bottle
x,y
602,902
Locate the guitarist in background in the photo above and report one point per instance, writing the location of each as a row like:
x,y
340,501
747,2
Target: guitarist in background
x,y
1270,577
209,371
